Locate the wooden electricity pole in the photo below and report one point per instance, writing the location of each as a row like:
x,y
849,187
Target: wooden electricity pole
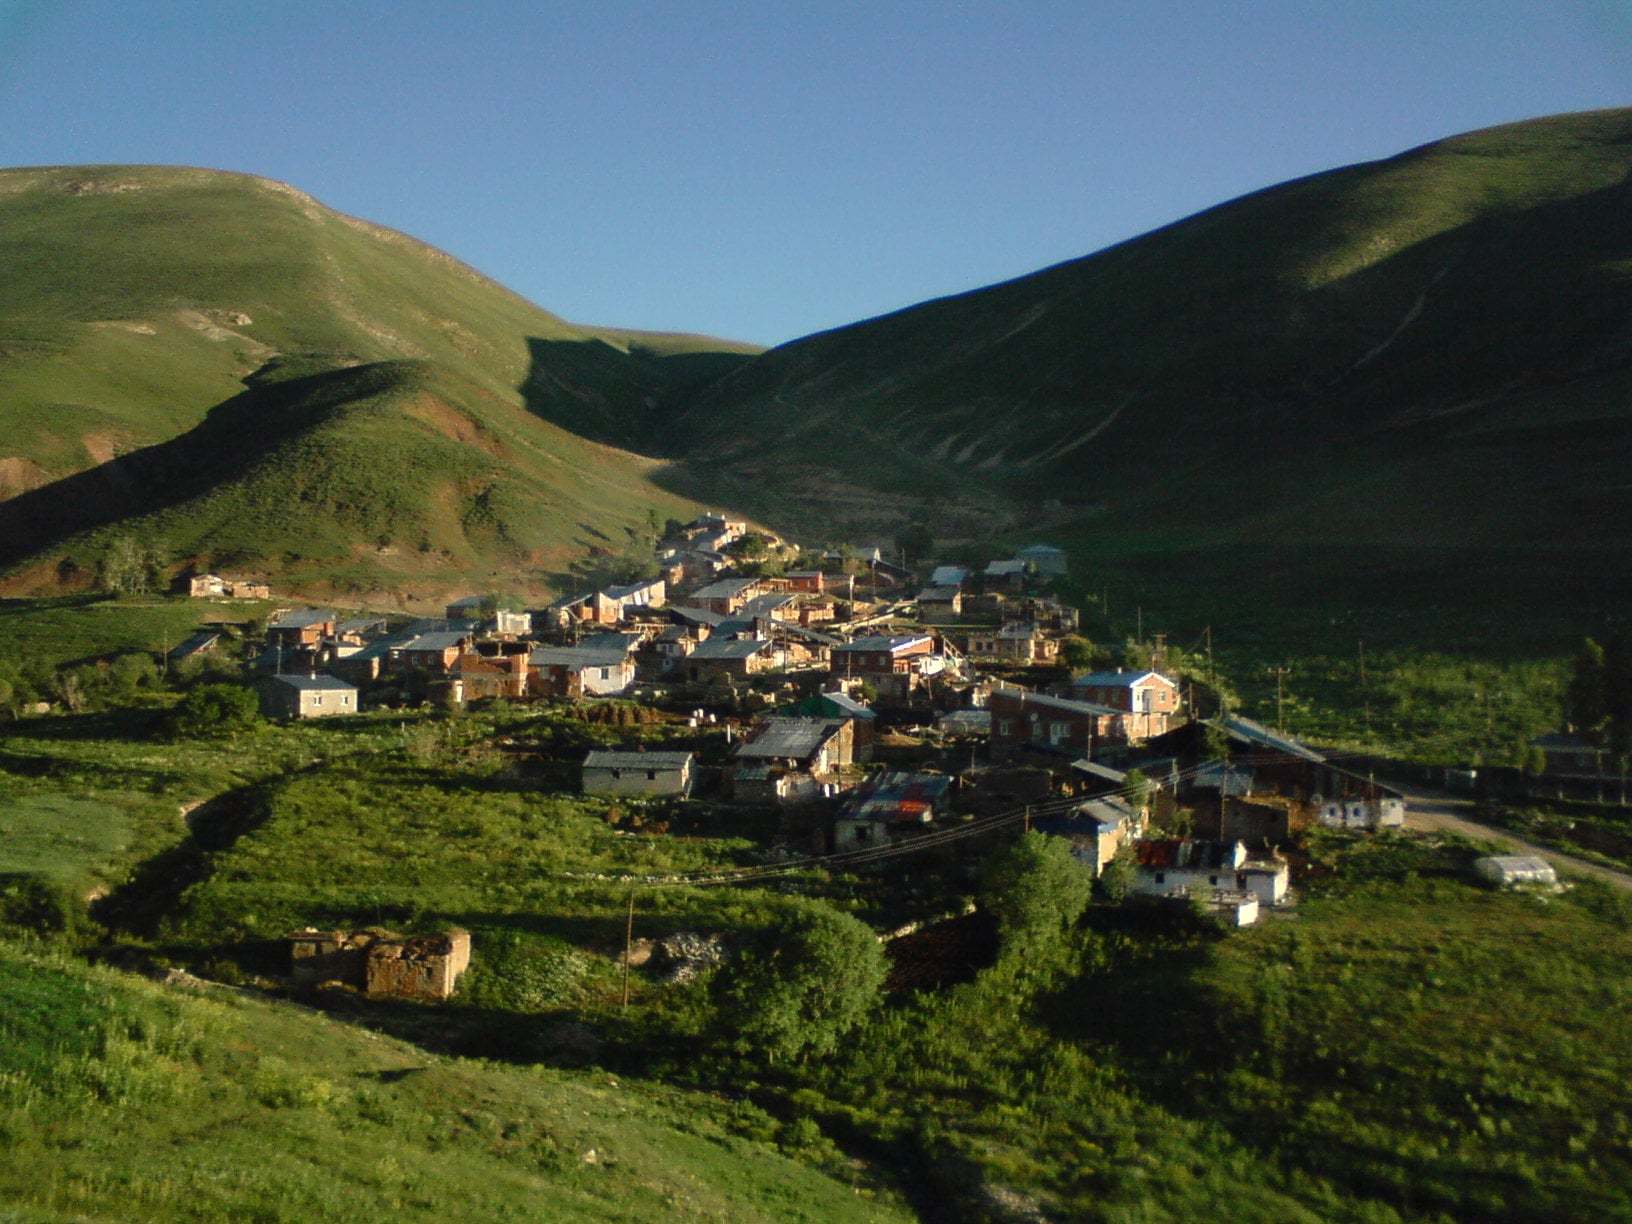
x,y
1280,674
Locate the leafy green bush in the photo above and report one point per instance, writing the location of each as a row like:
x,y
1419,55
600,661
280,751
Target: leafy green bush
x,y
215,711
1036,890
805,980
35,905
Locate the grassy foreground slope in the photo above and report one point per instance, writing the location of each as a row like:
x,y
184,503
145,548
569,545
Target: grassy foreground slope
x,y
139,304
123,1099
1425,356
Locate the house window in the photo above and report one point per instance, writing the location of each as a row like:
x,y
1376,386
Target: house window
x,y
1005,726
1213,880
1058,732
651,775
317,699
1161,877
606,673
617,773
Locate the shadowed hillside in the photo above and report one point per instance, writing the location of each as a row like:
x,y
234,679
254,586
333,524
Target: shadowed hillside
x,y
409,420
1427,353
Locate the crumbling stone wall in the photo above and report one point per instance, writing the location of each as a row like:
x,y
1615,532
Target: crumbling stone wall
x,y
382,965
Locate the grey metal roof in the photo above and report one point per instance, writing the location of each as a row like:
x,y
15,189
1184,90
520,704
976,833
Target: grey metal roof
x,y
448,640
610,643
360,624
949,575
1223,777
1103,772
725,588
1108,811
1115,679
196,644
1055,703
939,594
637,760
324,684
728,648
576,658
1257,733
764,605
794,738
1001,569
1040,550
695,616
380,648
884,641
301,618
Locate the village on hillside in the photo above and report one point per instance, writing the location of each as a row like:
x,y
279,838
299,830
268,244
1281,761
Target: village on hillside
x,y
878,705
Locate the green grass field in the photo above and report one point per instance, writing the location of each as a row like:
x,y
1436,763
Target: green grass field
x,y
124,1099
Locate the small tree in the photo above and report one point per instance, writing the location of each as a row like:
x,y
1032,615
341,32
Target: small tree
x,y
122,569
1036,890
1077,653
1116,879
215,711
805,981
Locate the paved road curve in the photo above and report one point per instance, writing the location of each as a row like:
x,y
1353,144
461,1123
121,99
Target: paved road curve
x,y
1438,812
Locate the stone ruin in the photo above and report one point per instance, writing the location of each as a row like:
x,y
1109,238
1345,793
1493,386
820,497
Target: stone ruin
x,y
424,968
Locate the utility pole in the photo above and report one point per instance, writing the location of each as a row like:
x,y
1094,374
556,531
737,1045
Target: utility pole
x,y
628,947
1280,674
1365,689
1139,613
1161,650
1027,825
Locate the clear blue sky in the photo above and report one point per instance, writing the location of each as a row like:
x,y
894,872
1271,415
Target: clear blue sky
x,y
751,171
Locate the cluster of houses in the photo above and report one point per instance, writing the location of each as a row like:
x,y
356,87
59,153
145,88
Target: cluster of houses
x,y
817,671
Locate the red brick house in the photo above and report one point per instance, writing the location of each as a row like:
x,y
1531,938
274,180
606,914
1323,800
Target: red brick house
x,y
880,655
1033,721
1148,698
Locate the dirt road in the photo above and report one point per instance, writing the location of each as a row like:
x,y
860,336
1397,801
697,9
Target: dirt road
x,y
1438,812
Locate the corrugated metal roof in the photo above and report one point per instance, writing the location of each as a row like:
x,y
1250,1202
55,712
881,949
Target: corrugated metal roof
x,y
575,658
1115,679
882,641
637,760
794,738
1103,772
728,648
695,616
1173,852
726,588
1051,703
949,575
302,618
437,641
1257,733
938,594
325,684
899,797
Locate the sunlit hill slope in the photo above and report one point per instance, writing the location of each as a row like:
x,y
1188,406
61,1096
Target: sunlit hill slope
x,y
329,399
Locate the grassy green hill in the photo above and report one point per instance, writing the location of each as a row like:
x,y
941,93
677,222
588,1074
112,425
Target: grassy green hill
x,y
1426,357
122,1099
329,399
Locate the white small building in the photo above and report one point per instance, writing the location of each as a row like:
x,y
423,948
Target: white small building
x,y
1516,871
1386,811
638,773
